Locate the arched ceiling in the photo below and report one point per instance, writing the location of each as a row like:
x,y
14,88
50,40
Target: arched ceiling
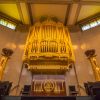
x,y
67,11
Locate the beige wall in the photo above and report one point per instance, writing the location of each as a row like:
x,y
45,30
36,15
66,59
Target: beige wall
x,y
81,40
14,40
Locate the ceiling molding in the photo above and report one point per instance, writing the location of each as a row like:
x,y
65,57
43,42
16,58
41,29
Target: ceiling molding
x,y
62,2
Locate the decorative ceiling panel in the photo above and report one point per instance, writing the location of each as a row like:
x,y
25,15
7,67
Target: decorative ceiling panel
x,y
39,10
10,10
87,11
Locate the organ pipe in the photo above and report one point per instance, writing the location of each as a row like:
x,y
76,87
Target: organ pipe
x,y
48,39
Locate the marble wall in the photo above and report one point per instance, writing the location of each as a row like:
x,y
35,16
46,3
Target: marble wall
x,y
14,40
81,42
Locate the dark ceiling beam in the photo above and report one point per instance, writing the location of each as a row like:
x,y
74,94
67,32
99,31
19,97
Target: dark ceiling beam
x,y
88,19
63,2
30,13
67,14
20,12
49,2
76,0
77,13
11,1
73,14
90,3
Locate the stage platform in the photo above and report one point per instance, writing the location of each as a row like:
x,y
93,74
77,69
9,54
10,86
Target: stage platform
x,y
48,98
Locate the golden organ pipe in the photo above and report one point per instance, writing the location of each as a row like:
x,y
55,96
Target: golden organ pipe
x,y
50,32
43,31
45,35
48,38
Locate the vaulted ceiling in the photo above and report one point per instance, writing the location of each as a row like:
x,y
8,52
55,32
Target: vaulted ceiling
x,y
67,11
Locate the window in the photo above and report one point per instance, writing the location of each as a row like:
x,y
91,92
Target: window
x,y
7,24
93,24
90,25
86,27
98,21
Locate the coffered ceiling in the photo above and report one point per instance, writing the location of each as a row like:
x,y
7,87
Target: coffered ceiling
x,y
67,11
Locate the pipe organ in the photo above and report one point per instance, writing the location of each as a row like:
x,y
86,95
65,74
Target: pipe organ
x,y
48,51
48,43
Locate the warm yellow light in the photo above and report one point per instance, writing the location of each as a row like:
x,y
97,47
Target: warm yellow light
x,y
11,45
21,46
49,40
75,47
98,69
83,46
